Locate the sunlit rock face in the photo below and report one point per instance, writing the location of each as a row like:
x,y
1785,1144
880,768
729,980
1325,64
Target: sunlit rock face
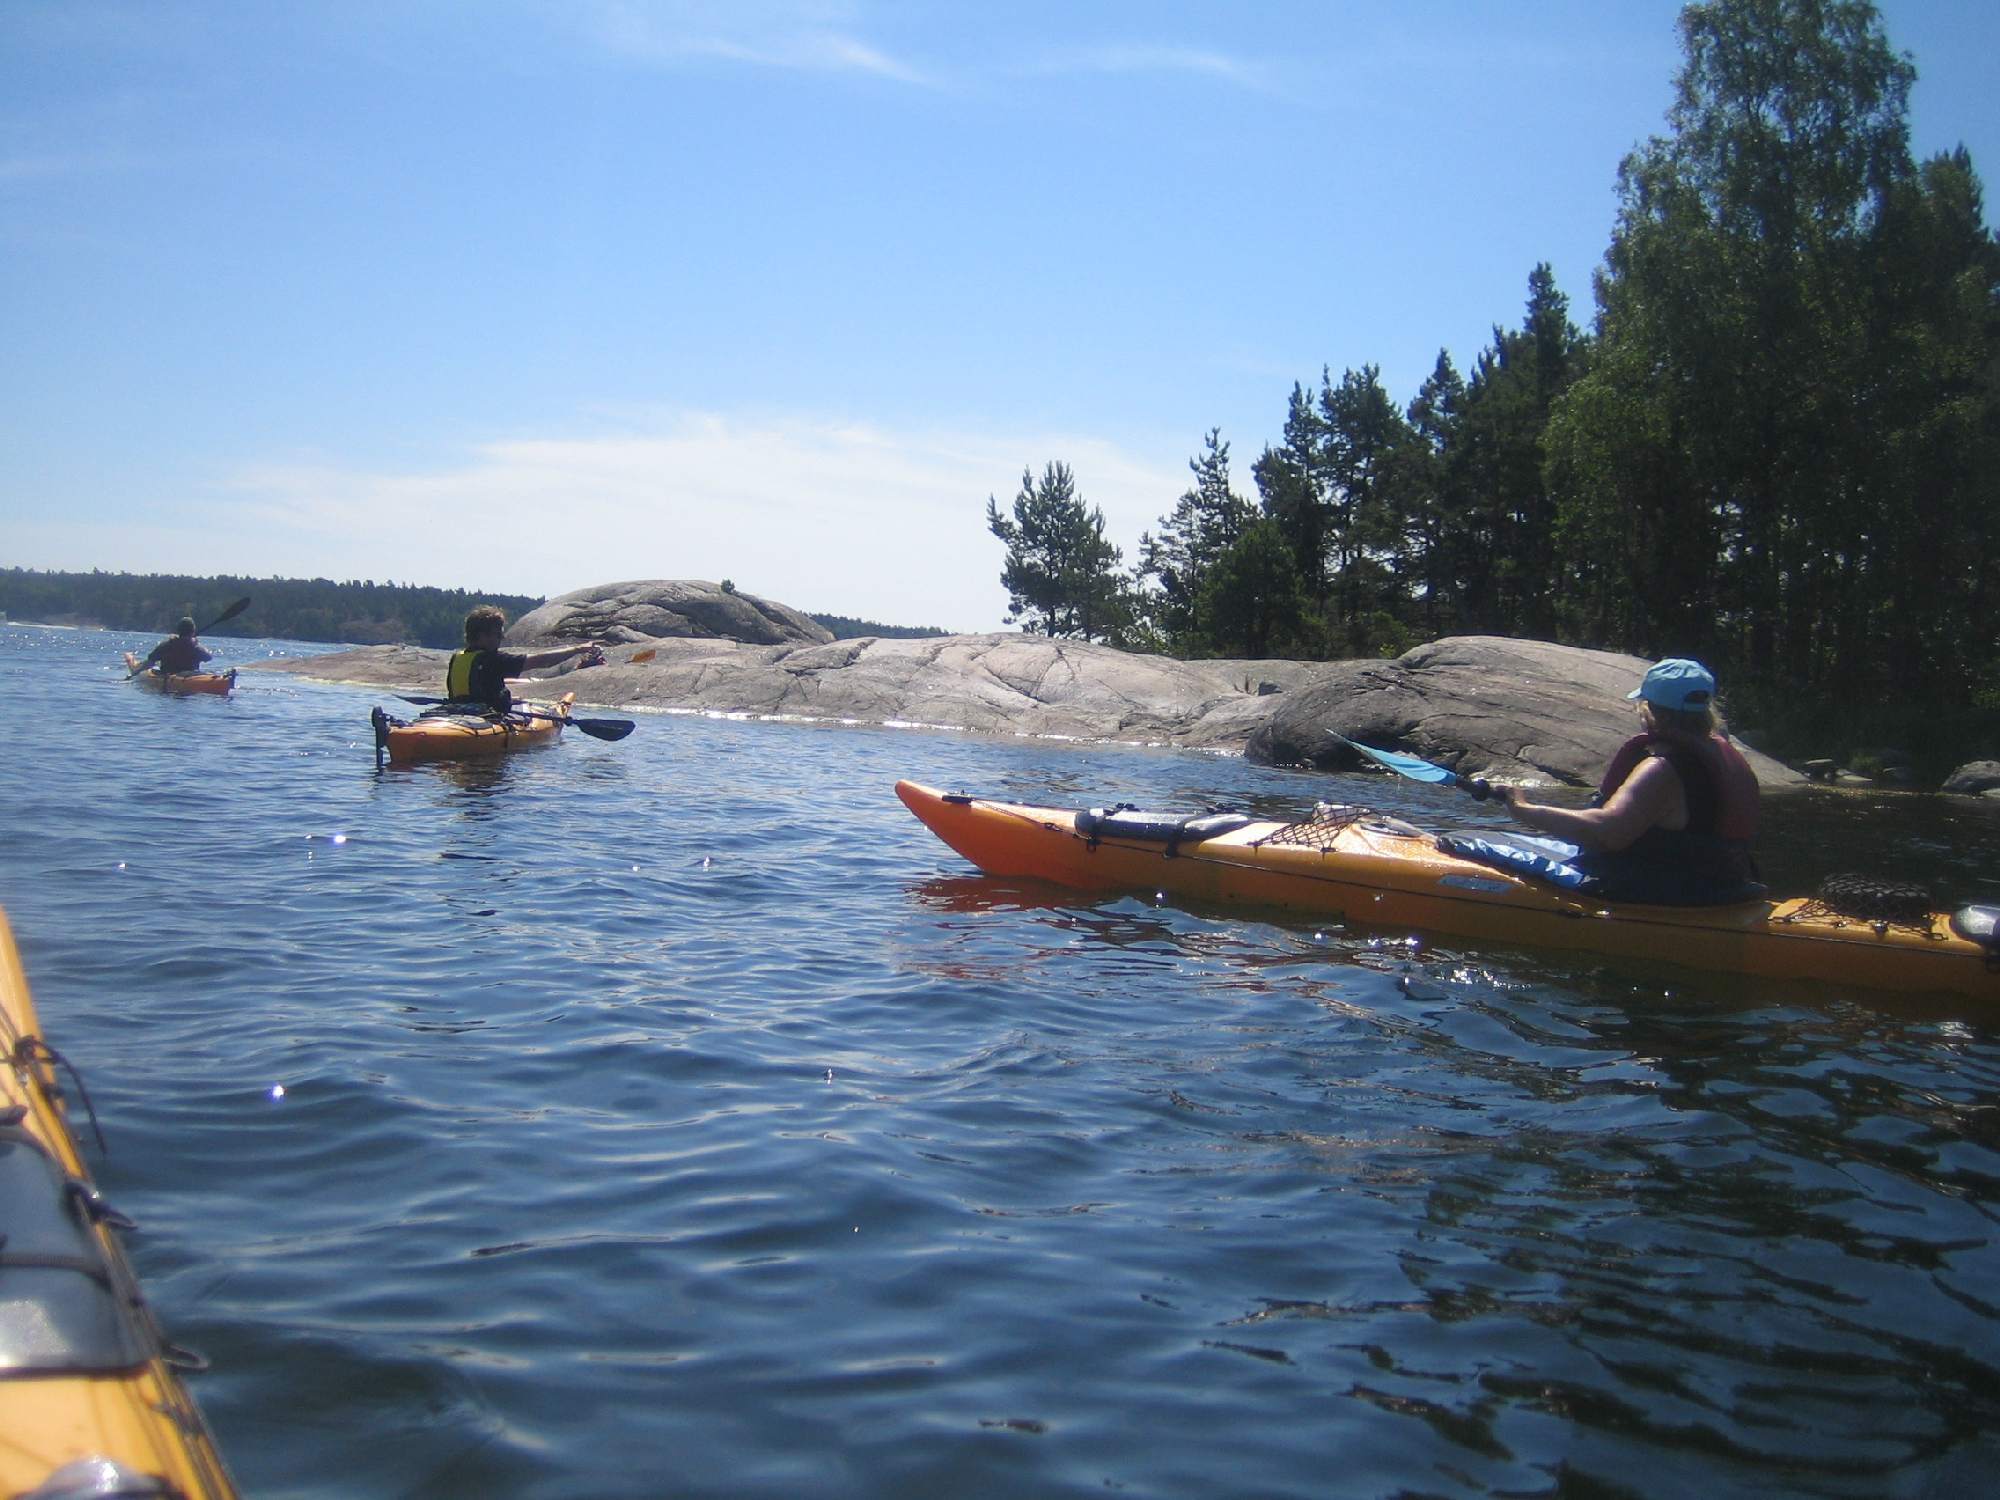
x,y
1482,705
672,608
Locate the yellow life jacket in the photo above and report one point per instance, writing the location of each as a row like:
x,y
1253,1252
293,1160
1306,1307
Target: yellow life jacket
x,y
458,675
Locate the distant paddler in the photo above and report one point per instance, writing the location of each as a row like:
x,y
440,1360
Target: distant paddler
x,y
180,653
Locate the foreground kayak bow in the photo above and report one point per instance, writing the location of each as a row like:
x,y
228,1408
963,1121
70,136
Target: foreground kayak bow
x,y
91,1398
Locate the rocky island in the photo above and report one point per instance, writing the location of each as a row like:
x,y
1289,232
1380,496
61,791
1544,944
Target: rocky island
x,y
1522,711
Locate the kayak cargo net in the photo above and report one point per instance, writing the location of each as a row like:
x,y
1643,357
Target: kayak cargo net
x,y
1864,898
1331,819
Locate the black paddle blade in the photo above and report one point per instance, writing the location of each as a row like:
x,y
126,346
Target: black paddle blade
x,y
228,614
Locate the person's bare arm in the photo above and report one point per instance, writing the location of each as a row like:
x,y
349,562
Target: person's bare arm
x,y
1650,795
592,653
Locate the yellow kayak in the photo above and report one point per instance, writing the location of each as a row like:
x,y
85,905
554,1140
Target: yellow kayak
x,y
444,735
91,1397
178,682
1357,865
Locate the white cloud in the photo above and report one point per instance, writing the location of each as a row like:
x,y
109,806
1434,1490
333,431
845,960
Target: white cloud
x,y
793,37
1138,58
821,515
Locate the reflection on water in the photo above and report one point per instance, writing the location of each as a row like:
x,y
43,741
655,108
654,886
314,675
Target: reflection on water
x,y
677,1116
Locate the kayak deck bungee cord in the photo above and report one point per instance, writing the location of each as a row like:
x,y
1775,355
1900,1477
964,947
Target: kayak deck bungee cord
x,y
91,1396
1357,865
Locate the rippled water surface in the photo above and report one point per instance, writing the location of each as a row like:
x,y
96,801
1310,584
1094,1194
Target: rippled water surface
x,y
677,1117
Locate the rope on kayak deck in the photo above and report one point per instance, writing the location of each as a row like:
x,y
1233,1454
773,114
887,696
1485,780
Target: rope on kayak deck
x,y
32,1049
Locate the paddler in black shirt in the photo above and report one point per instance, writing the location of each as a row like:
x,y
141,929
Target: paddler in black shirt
x,y
479,673
180,652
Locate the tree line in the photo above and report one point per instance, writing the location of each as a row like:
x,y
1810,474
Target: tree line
x,y
1775,449
360,613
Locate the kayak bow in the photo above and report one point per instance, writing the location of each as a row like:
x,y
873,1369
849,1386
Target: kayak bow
x,y
91,1393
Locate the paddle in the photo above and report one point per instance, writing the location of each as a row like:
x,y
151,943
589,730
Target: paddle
x,y
1419,770
227,615
597,729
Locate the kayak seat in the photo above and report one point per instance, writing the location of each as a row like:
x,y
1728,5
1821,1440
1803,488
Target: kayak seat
x,y
1172,829
1606,877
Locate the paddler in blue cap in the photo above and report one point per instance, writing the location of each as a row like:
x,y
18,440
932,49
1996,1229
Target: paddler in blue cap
x,y
1675,814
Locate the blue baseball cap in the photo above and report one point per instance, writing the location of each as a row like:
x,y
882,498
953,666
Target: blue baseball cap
x,y
1676,683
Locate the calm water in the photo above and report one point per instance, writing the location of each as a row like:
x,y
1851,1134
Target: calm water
x,y
677,1117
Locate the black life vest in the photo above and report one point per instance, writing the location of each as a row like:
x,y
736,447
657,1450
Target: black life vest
x,y
1720,787
465,679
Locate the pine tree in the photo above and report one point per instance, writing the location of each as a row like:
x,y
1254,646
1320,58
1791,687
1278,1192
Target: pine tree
x,y
1061,574
1205,522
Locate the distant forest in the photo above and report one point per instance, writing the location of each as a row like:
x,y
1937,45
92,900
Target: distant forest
x,y
291,609
846,629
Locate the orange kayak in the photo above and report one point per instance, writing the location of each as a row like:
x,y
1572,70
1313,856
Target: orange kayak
x,y
447,735
179,682
91,1396
1356,865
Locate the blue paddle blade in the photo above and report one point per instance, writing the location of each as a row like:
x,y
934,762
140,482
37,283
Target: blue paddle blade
x,y
1403,765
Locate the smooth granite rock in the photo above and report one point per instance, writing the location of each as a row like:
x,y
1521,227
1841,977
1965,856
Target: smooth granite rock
x,y
1520,711
1974,778
637,612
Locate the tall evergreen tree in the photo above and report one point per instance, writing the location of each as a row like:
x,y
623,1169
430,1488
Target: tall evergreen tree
x,y
1061,574
1733,310
1178,561
1512,582
1364,437
1293,488
1434,535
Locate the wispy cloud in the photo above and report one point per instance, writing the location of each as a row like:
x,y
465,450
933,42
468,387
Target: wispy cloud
x,y
823,515
1138,58
798,38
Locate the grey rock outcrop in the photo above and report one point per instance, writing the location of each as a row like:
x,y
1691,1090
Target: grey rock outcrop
x,y
1518,710
1976,778
1002,683
1482,705
630,613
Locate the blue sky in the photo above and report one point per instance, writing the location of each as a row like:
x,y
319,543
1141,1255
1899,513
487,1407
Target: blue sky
x,y
525,295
